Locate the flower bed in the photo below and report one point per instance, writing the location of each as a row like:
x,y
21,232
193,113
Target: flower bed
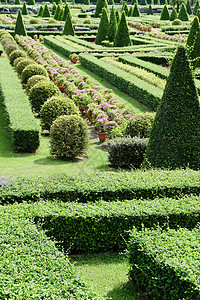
x,y
140,26
87,95
181,38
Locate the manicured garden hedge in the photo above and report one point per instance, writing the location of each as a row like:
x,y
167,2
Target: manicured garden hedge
x,y
126,82
24,130
31,266
104,226
108,186
166,263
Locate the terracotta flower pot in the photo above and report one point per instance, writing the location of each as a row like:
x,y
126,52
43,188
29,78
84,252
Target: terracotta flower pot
x,y
103,136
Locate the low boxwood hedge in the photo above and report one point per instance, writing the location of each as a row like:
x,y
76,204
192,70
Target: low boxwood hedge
x,y
24,130
166,263
31,266
104,226
108,186
132,85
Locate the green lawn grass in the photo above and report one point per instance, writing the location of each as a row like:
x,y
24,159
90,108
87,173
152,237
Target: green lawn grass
x,y
107,275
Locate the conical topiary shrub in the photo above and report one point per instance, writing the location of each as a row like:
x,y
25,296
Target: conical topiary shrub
x,y
130,12
183,15
102,33
61,14
57,12
46,12
99,7
196,7
174,14
112,25
136,12
68,29
65,13
188,8
134,1
86,2
165,13
118,17
53,9
193,32
194,53
24,9
31,2
40,11
125,8
122,37
19,26
143,2
175,136
111,2
17,2
150,10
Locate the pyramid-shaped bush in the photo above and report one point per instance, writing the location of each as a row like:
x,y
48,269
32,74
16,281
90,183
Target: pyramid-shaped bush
x,y
53,9
196,7
150,10
194,53
136,12
175,136
65,13
40,11
57,12
125,8
102,33
134,1
99,7
68,28
183,15
46,12
122,37
165,13
174,14
31,2
24,9
193,32
19,26
112,25
188,7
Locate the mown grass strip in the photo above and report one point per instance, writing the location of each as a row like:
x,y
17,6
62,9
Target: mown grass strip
x,y
24,130
166,263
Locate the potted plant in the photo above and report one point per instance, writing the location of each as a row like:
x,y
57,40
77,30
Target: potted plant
x,y
74,57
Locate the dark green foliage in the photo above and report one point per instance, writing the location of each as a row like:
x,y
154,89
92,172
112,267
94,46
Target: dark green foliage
x,y
46,12
40,92
125,8
99,7
193,32
136,12
32,70
174,14
87,2
111,2
33,80
112,25
24,9
118,15
17,60
23,64
166,2
69,137
143,2
150,11
40,11
188,8
65,13
177,22
34,21
53,9
126,152
183,16
122,37
17,2
57,12
196,7
194,52
23,129
15,54
102,33
31,2
54,107
166,262
140,125
19,26
165,13
198,13
68,28
175,137
130,12
10,47
134,2
61,14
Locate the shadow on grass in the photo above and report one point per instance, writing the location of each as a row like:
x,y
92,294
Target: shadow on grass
x,y
126,291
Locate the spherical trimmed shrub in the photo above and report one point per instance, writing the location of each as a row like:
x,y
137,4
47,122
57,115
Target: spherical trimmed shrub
x,y
34,21
10,47
52,21
15,54
17,60
5,41
69,137
54,107
126,152
40,92
34,80
23,64
140,125
177,22
30,71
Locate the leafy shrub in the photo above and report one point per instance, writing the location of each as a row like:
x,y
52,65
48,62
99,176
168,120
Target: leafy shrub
x,y
54,107
119,131
87,21
165,13
34,21
15,54
17,60
83,15
177,22
10,47
23,64
33,80
40,92
126,152
52,21
140,125
173,15
69,137
30,71
183,15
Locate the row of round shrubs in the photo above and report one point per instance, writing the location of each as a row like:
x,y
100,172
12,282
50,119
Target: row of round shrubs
x,y
69,135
